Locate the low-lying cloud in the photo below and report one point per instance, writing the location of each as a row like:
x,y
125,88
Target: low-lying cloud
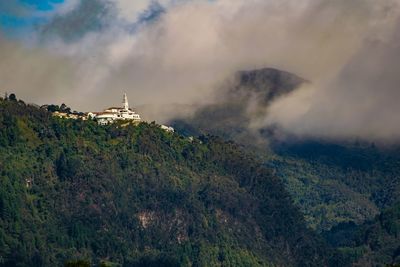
x,y
180,56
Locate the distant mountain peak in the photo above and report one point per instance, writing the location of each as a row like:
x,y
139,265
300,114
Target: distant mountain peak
x,y
246,99
269,81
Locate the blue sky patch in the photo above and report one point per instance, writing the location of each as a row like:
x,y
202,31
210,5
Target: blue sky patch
x,y
42,5
19,17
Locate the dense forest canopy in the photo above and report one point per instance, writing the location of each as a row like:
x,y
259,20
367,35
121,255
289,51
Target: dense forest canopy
x,y
137,195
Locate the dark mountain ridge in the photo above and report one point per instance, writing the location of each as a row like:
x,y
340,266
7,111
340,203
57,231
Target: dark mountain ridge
x,y
241,102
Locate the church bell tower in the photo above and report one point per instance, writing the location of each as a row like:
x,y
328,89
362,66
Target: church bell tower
x,y
125,102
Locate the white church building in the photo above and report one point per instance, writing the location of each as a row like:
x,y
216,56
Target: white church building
x,y
112,114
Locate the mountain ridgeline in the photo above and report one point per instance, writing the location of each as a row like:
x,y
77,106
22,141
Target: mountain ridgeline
x,y
336,184
242,102
140,196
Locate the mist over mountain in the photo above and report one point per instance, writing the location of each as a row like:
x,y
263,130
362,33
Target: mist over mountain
x,y
240,105
335,183
287,143
86,52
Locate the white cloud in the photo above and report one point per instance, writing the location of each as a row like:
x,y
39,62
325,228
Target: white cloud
x,y
131,9
184,55
66,7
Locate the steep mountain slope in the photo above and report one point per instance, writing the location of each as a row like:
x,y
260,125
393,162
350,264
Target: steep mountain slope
x,y
332,182
372,242
322,177
140,196
352,181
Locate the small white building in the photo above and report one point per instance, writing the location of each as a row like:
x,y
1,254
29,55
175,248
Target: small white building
x,y
65,115
167,128
112,114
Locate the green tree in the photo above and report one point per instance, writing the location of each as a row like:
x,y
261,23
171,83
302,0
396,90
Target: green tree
x,y
12,97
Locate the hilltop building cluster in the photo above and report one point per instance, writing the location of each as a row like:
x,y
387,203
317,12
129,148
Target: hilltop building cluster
x,y
66,115
112,114
107,116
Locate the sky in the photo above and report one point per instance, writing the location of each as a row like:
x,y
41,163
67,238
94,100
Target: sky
x,y
171,56
21,16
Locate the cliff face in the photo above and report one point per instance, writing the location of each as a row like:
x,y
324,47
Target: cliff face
x,y
138,195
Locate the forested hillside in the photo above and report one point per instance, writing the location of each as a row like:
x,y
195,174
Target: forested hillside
x,y
350,192
140,196
372,242
334,183
353,181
